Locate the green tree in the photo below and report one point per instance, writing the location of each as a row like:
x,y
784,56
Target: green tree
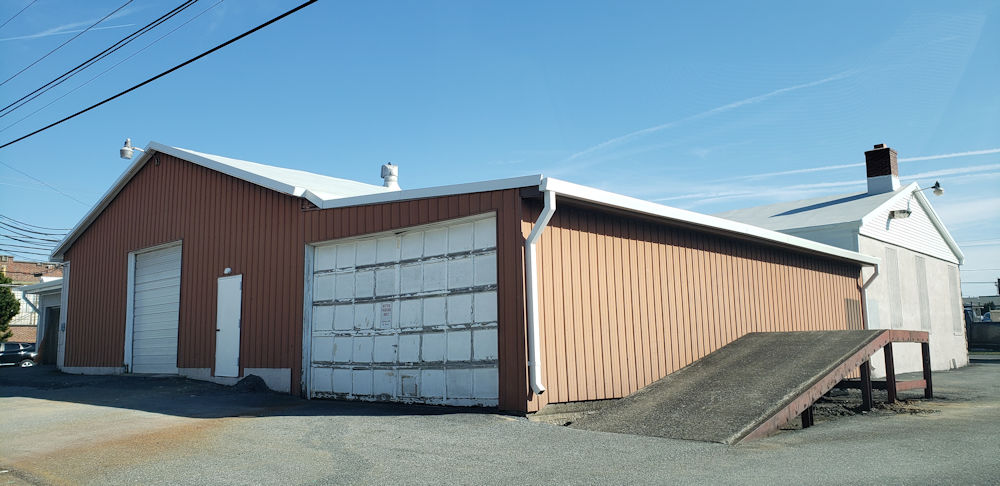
x,y
9,307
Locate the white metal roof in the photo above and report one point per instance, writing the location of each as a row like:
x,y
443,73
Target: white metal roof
x,y
848,210
54,285
329,192
825,210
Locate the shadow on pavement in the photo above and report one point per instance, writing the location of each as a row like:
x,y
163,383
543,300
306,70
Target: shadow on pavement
x,y
183,397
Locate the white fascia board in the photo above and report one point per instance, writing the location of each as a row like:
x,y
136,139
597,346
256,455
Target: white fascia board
x,y
43,287
604,198
152,148
251,177
95,210
438,191
901,194
914,189
936,221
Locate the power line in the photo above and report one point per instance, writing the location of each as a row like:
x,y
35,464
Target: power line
x,y
24,252
37,241
84,31
18,13
164,73
96,58
25,230
102,73
8,218
46,184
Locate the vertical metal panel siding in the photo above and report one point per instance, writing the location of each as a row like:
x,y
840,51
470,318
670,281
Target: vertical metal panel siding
x,y
223,222
625,301
227,222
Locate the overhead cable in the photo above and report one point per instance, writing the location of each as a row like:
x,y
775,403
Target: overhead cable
x,y
164,73
46,184
18,13
94,59
8,218
60,46
102,73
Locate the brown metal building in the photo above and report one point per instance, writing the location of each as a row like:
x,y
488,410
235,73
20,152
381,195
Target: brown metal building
x,y
215,268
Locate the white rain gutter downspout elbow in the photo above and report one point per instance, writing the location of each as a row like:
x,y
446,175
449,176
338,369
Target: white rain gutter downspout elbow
x,y
531,267
864,300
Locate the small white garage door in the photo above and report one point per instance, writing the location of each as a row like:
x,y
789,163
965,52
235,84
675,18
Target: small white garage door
x,y
157,291
408,316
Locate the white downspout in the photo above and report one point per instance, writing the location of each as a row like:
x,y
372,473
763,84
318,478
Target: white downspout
x,y
864,300
531,267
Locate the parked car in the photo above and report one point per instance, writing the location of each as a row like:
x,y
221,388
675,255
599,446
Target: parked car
x,y
18,354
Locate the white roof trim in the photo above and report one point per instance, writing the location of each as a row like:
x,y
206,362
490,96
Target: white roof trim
x,y
438,191
619,201
42,287
561,187
914,189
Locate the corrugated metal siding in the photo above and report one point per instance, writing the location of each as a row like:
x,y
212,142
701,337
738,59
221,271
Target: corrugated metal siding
x,y
223,222
226,222
916,232
625,302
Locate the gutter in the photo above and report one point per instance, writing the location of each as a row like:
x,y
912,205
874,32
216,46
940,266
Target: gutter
x,y
531,267
864,301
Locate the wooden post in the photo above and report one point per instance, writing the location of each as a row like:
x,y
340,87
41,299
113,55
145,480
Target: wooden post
x,y
890,374
866,386
807,417
925,350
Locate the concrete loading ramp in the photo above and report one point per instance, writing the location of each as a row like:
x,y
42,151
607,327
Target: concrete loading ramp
x,y
752,386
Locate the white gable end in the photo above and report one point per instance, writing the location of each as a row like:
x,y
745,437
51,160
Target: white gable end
x,y
917,232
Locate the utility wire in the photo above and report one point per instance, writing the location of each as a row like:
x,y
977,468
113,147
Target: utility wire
x,y
37,241
18,13
164,73
24,252
71,39
95,59
24,230
46,184
102,73
8,218
28,247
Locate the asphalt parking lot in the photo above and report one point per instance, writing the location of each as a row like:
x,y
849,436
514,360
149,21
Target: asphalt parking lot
x,y
62,429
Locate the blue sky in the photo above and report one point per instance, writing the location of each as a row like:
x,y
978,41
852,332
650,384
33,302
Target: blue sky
x,y
703,106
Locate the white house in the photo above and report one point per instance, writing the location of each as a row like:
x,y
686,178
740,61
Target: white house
x,y
47,304
918,285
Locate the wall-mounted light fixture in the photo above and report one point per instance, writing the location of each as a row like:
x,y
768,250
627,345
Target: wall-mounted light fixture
x,y
126,151
905,213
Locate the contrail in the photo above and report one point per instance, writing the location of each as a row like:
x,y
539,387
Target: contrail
x,y
704,114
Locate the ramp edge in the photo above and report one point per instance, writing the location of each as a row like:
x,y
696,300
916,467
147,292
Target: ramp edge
x,y
795,405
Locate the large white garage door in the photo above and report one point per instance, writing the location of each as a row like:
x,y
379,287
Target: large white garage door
x,y
408,316
157,291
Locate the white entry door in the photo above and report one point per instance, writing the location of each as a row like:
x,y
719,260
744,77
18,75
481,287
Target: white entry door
x,y
156,290
227,327
409,315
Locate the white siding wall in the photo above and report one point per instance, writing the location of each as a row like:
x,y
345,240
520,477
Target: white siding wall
x,y
901,295
916,232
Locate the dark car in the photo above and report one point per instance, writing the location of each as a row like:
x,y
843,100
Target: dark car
x,y
18,354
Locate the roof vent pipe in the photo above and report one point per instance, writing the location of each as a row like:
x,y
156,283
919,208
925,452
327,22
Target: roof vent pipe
x,y
390,174
531,268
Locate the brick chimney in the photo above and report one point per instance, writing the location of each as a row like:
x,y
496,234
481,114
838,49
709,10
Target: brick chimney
x,y
883,170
